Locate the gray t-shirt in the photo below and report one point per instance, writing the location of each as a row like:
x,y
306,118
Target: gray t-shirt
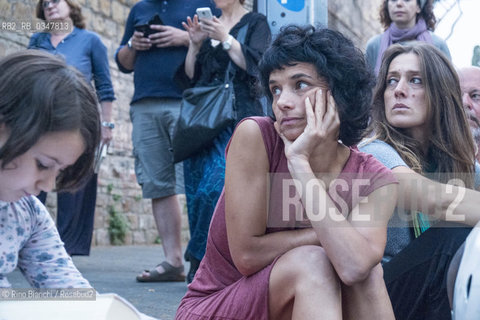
x,y
399,233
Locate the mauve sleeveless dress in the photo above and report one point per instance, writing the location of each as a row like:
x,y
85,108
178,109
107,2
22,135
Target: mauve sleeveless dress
x,y
219,290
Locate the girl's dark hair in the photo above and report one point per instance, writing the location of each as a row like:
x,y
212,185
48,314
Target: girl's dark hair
x,y
75,13
337,61
41,94
426,13
451,145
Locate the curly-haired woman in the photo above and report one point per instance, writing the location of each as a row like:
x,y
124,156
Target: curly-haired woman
x,y
286,239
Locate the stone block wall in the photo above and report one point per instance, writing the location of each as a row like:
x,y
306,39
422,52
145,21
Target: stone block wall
x,y
118,190
357,19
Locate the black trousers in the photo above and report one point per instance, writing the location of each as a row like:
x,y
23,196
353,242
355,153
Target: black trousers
x,y
416,278
75,217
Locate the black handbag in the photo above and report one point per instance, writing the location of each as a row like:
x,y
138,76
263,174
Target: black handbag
x,y
205,111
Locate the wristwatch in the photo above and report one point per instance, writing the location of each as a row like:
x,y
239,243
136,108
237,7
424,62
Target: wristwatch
x,y
107,124
227,44
129,44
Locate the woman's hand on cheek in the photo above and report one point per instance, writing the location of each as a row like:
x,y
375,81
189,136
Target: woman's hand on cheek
x,y
329,128
321,130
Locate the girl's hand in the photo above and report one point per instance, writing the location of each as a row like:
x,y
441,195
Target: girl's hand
x,y
195,32
322,129
215,29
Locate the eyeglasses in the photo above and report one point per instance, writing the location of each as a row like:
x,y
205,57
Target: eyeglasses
x,y
46,4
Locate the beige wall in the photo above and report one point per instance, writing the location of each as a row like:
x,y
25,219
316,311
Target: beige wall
x,y
118,189
357,19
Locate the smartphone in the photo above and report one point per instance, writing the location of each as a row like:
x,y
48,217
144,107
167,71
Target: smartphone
x,y
156,20
204,13
145,28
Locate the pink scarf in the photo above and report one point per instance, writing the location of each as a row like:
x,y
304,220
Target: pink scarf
x,y
393,35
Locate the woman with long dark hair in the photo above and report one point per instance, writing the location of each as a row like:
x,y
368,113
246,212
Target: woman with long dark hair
x,y
420,131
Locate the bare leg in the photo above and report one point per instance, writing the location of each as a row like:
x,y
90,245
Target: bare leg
x,y
304,285
168,219
368,299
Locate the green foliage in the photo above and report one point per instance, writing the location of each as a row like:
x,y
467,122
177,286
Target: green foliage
x,y
117,224
117,227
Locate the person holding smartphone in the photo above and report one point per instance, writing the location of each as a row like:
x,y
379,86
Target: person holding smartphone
x,y
213,45
155,107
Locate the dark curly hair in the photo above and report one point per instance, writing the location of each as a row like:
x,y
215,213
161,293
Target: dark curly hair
x,y
426,14
40,94
338,61
75,13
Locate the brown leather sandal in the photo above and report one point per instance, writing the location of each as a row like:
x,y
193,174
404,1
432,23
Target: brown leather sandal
x,y
171,274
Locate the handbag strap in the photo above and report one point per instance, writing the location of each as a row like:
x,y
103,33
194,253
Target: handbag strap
x,y
240,38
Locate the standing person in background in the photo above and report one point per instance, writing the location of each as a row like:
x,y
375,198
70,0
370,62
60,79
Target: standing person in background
x,y
404,20
154,111
85,51
470,85
213,45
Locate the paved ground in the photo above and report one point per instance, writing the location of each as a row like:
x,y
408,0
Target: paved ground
x,y
113,269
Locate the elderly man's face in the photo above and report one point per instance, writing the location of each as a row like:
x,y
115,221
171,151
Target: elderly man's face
x,y
470,84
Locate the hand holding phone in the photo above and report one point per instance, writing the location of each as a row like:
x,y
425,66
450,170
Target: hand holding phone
x,y
204,13
145,28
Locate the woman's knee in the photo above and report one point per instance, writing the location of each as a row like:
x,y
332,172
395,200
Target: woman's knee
x,y
308,264
301,272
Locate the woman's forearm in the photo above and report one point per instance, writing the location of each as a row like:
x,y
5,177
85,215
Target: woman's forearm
x,y
255,253
236,54
190,60
353,253
441,201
